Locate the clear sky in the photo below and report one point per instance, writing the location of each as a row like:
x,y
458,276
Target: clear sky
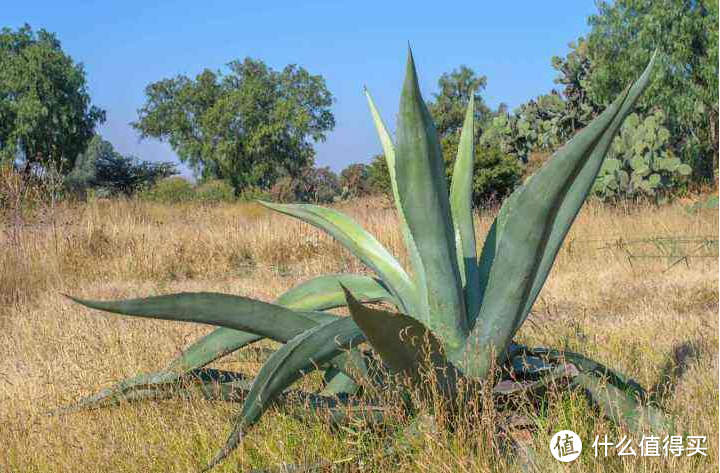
x,y
126,45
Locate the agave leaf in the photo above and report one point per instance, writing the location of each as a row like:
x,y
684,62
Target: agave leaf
x,y
235,312
319,293
530,228
338,381
401,341
389,151
423,192
462,216
623,407
324,292
165,385
209,348
359,242
588,365
298,357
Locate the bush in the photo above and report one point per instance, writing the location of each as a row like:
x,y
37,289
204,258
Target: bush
x,y
379,176
170,190
355,181
496,175
253,193
214,190
316,185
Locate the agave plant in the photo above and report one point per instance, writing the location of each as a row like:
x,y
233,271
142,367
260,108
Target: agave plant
x,y
466,307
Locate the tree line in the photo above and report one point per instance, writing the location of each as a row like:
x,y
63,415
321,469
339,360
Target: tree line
x,y
253,128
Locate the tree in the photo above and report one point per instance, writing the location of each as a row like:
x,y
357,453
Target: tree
x,y
379,175
624,34
249,127
355,180
100,166
46,118
448,107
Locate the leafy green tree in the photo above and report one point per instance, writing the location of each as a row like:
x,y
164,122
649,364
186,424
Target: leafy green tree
x,y
379,175
248,127
101,167
46,118
448,106
624,34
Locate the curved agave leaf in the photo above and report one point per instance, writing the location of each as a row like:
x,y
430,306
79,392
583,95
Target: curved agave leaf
x,y
212,384
622,407
580,187
338,381
235,312
619,398
359,242
319,293
300,356
462,216
402,342
588,365
423,192
324,292
530,228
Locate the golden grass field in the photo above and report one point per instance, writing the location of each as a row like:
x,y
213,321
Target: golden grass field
x,y
633,317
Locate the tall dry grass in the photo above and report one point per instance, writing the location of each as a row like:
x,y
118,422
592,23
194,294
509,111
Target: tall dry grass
x,y
638,317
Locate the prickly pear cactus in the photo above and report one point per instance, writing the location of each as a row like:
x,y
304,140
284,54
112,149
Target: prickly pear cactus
x,y
540,124
640,162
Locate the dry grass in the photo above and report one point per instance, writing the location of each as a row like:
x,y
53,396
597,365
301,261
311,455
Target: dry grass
x,y
632,317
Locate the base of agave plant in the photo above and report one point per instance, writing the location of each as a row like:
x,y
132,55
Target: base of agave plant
x,y
526,376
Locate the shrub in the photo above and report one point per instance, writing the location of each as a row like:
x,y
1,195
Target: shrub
x,y
379,176
355,181
214,190
317,185
495,177
170,190
253,193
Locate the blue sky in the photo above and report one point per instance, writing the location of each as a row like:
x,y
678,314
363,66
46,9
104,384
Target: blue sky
x,y
127,45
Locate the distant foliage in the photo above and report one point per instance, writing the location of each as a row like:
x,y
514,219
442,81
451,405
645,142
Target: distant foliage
x,y
641,162
496,176
172,190
379,176
495,173
249,126
46,118
355,181
107,172
313,185
214,191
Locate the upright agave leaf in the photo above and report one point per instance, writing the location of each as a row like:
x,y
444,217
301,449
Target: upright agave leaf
x,y
360,243
462,217
423,195
530,228
389,151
